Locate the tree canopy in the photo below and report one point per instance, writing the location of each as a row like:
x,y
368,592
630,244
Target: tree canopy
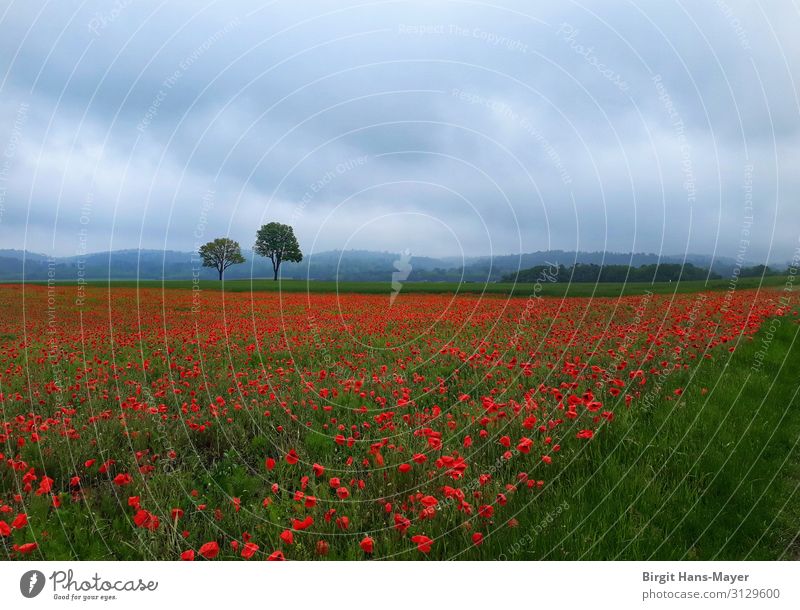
x,y
221,254
277,242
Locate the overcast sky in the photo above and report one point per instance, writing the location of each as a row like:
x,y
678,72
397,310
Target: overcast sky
x,y
445,128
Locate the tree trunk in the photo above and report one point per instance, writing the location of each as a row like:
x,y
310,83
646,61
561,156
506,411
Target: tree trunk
x,y
275,268
220,275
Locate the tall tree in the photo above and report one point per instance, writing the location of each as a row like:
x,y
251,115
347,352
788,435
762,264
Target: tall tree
x,y
277,242
221,254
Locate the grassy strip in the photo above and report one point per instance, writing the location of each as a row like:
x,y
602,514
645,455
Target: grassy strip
x,y
499,288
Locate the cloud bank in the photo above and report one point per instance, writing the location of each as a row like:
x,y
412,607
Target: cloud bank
x,y
442,128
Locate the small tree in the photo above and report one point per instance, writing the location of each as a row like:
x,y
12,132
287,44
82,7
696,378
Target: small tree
x,y
221,254
277,242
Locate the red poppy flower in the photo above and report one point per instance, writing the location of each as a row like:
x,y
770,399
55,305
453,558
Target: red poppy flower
x,y
401,523
209,550
249,550
26,548
287,536
477,538
123,479
429,501
423,543
292,458
187,555
318,470
20,521
367,544
302,525
524,445
276,556
144,519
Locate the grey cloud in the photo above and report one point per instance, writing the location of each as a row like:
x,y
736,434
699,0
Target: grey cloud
x,y
524,108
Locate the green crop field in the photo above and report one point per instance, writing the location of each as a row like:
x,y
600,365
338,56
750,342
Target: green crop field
x,y
499,288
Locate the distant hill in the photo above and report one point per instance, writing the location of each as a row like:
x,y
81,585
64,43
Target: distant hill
x,y
347,265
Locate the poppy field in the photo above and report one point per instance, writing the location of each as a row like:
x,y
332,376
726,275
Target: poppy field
x,y
209,425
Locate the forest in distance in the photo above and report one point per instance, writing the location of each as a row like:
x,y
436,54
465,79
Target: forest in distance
x,y
667,272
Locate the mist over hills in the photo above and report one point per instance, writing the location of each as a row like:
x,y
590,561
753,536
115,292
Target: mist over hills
x,y
348,265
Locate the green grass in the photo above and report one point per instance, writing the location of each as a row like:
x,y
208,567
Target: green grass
x,y
498,288
707,476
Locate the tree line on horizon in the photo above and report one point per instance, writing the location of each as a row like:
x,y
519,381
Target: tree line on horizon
x,y
665,272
